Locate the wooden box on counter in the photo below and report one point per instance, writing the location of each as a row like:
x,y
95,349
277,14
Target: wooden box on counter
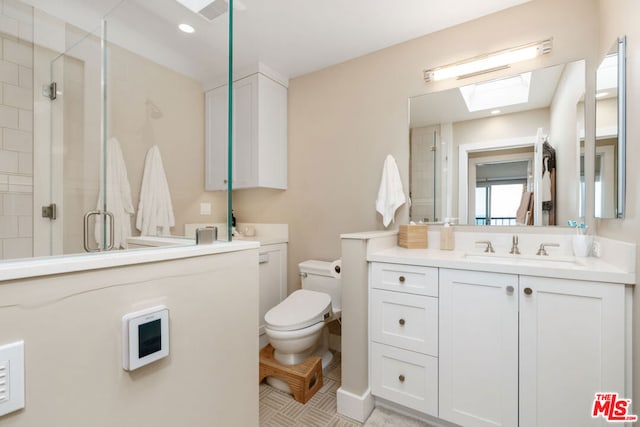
x,y
413,236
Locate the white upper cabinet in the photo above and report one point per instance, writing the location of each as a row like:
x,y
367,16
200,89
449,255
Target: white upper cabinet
x,y
259,134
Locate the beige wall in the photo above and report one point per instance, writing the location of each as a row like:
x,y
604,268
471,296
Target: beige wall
x,y
617,18
179,133
71,326
345,119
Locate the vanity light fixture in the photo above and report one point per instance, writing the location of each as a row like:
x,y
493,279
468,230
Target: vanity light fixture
x,y
488,62
186,28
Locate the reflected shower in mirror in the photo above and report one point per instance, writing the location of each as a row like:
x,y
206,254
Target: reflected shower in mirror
x,y
473,149
609,165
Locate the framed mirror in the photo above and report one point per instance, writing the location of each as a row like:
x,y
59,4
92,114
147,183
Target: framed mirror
x,y
500,152
610,146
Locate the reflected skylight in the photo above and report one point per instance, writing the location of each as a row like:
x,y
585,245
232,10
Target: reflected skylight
x,y
497,93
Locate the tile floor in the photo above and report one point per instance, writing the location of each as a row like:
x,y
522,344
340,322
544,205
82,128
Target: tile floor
x,y
278,409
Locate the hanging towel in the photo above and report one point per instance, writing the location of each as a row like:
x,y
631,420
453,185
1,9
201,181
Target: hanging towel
x,y
118,197
155,212
390,195
546,182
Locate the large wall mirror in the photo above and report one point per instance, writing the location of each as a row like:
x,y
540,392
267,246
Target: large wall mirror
x,y
500,152
610,158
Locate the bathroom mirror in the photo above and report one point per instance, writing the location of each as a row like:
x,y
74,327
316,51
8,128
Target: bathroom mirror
x,y
482,152
610,158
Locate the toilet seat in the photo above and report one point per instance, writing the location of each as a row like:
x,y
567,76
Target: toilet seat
x,y
301,309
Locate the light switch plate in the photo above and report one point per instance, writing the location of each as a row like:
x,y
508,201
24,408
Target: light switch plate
x,y
205,208
11,377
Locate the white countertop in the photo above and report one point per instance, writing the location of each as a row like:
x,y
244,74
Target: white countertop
x,y
34,267
589,268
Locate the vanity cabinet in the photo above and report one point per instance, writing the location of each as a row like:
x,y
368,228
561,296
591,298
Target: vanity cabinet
x,y
527,351
259,134
404,335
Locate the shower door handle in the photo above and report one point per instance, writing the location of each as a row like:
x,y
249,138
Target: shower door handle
x,y
86,230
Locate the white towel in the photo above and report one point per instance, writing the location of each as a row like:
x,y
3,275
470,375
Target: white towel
x,y
390,195
118,198
546,182
155,211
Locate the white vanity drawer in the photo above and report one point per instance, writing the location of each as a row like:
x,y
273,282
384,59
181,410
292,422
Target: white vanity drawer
x,y
404,320
404,377
405,278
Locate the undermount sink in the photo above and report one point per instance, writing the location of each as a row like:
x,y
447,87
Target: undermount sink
x,y
539,260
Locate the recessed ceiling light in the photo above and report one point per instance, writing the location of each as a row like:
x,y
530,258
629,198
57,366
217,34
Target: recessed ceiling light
x,y
494,112
601,94
186,28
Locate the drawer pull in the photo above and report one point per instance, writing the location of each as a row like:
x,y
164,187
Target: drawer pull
x,y
509,289
401,279
402,322
401,378
528,291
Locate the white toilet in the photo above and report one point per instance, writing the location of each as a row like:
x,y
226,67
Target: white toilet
x,y
296,325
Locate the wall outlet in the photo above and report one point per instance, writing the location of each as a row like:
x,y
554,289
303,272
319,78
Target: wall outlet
x,y
596,250
11,377
205,208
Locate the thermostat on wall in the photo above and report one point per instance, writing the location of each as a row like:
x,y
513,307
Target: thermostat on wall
x,y
145,337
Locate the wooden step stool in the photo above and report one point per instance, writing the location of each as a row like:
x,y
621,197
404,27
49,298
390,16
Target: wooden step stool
x,y
304,379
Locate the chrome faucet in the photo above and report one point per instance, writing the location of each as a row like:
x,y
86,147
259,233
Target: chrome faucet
x,y
514,245
543,251
489,247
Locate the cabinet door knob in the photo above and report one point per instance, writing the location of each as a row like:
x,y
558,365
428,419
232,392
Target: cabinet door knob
x,y
402,322
225,181
509,289
401,279
528,291
401,378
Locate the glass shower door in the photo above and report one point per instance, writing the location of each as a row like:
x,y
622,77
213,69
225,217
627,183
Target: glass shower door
x,y
77,150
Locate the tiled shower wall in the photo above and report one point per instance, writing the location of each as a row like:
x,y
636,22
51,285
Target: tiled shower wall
x,y
16,124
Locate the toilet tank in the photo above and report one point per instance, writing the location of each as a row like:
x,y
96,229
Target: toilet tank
x,y
323,276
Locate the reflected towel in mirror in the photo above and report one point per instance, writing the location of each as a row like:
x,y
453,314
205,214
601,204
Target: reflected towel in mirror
x,y
118,197
391,194
155,210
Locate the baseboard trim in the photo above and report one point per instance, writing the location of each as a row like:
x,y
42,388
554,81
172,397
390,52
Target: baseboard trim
x,y
354,406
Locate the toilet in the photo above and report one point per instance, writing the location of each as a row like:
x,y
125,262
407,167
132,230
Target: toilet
x,y
296,327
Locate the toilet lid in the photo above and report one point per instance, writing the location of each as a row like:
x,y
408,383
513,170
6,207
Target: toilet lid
x,y
299,310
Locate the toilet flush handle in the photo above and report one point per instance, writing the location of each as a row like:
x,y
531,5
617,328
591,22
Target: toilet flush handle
x,y
303,275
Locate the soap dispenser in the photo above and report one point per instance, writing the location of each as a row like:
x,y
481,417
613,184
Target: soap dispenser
x,y
446,235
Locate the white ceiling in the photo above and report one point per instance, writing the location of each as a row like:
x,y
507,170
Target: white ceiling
x,y
294,37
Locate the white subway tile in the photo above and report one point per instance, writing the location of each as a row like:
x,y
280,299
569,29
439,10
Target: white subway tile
x,y
16,96
9,72
8,117
8,162
25,226
4,188
25,163
25,77
18,52
24,189
25,32
9,25
8,226
17,204
18,10
21,247
17,140
4,179
25,120
20,180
